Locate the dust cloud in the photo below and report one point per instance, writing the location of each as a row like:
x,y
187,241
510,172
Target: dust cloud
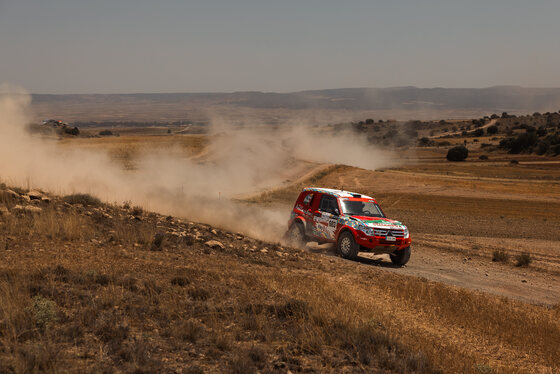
x,y
239,160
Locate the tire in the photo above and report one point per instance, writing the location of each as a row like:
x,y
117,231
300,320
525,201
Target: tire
x,y
400,257
295,236
347,246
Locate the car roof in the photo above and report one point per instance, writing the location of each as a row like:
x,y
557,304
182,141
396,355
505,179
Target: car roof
x,y
337,193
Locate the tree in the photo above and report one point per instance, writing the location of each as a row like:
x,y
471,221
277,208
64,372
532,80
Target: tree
x,y
523,142
478,132
369,121
458,153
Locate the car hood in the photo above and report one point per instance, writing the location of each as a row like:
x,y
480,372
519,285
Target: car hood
x,y
383,223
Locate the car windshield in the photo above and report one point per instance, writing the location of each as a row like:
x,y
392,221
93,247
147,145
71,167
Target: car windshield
x,y
361,208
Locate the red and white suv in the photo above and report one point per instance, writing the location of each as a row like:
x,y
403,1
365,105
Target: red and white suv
x,y
353,221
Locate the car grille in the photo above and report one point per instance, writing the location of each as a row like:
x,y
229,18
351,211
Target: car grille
x,y
395,233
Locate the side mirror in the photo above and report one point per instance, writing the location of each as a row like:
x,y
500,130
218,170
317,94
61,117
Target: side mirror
x,y
336,212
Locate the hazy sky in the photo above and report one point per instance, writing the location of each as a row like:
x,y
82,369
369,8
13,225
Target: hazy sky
x,y
79,46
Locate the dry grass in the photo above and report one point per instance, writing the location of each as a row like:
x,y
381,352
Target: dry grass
x,y
500,256
97,298
83,199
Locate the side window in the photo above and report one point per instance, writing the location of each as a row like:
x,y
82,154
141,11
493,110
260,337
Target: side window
x,y
308,199
328,204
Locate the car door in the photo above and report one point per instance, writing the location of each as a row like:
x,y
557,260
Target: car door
x,y
325,219
310,204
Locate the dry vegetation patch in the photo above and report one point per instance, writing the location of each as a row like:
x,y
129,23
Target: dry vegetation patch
x,y
96,297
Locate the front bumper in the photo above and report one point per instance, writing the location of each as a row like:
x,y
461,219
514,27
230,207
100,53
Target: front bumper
x,y
378,244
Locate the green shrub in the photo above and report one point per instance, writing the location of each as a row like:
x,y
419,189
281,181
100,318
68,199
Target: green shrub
x,y
458,153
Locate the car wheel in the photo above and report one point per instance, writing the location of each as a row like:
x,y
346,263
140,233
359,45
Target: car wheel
x,y
295,236
400,257
347,246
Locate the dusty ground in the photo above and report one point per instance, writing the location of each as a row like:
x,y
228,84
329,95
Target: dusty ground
x,y
459,213
459,216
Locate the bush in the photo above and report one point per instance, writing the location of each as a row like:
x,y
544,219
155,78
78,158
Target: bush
x,y
483,157
425,142
157,243
72,131
492,130
523,142
390,134
523,259
458,153
137,211
478,132
84,199
500,256
541,131
106,133
541,148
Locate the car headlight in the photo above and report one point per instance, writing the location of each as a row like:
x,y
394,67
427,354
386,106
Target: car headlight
x,y
367,230
406,233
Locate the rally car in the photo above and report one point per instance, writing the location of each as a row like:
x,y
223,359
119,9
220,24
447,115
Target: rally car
x,y
352,221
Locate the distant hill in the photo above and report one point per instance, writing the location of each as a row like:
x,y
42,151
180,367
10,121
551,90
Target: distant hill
x,y
402,99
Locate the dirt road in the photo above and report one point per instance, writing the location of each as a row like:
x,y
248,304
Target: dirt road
x,y
480,274
528,284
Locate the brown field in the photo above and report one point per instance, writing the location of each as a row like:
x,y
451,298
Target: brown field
x,y
88,287
125,149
